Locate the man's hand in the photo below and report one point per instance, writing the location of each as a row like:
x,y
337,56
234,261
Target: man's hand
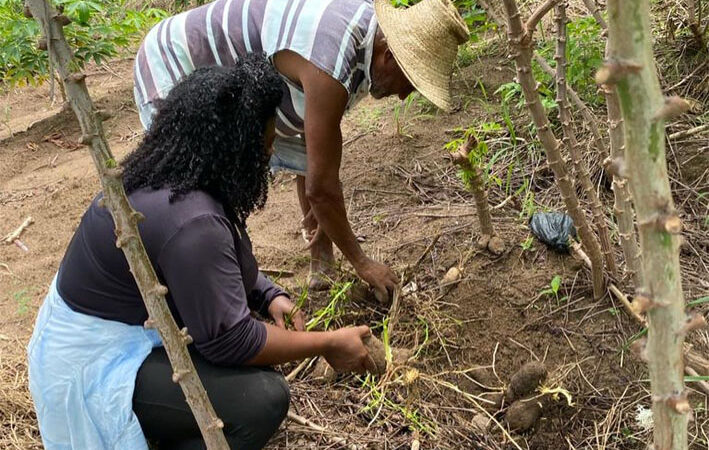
x,y
281,309
380,277
346,351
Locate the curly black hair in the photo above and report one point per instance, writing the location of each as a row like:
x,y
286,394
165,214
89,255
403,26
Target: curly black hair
x,y
208,134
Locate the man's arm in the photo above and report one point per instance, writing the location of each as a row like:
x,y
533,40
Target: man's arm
x,y
325,104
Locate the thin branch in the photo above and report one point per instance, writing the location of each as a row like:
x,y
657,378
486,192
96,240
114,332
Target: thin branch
x,y
126,220
572,144
537,15
318,429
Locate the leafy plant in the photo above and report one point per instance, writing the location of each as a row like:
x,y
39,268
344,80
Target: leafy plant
x,y
403,109
327,315
584,55
97,32
22,300
553,289
527,244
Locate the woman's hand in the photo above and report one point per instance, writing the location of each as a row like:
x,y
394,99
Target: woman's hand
x,y
281,309
346,351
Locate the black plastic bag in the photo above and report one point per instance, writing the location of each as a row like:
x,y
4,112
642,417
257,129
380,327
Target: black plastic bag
x,y
554,229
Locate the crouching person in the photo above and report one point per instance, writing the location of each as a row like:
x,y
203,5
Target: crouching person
x,y
98,378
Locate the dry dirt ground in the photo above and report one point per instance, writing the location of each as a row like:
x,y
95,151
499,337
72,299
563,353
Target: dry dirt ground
x,y
401,194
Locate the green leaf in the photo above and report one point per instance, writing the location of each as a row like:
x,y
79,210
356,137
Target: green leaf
x,y
689,378
555,284
698,301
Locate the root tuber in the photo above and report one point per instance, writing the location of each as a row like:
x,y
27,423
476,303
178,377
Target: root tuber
x,y
524,414
496,246
323,372
453,274
526,380
376,350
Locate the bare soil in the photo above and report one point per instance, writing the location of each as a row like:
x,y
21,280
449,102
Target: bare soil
x,y
401,193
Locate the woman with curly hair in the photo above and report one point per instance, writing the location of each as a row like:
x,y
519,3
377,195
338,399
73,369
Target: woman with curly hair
x,y
98,378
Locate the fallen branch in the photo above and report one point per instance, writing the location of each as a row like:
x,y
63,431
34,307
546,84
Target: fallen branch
x,y
319,429
15,235
126,220
690,132
277,273
299,368
692,360
703,385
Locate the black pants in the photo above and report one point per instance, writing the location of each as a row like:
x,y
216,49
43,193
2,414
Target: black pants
x,y
251,401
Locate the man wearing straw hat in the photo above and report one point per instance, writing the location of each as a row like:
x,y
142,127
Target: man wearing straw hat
x,y
330,53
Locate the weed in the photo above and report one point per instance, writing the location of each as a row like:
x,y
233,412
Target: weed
x,y
334,309
529,207
402,110
22,300
527,244
553,289
587,51
378,400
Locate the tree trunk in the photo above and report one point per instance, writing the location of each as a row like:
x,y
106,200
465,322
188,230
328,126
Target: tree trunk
x,y
521,43
572,144
631,69
126,220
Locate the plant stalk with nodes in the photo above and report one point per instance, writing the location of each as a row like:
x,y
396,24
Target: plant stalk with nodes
x,y
630,70
521,46
126,220
572,144
474,177
622,205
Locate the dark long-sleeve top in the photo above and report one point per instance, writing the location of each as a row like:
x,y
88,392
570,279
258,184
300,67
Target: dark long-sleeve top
x,y
205,261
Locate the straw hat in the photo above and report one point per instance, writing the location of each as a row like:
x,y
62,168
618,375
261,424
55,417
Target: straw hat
x,y
424,40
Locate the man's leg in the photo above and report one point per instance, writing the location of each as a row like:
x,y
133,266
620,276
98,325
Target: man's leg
x,y
289,155
322,258
251,401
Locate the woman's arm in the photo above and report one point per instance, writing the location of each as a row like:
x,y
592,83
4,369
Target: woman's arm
x,y
203,276
343,348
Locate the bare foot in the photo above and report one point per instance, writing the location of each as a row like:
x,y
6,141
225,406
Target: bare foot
x,y
322,266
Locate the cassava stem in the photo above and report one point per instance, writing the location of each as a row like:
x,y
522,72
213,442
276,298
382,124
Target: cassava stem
x,y
126,220
521,48
622,201
477,185
630,69
572,144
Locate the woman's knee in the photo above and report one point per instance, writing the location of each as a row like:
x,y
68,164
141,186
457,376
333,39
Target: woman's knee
x,y
274,399
252,418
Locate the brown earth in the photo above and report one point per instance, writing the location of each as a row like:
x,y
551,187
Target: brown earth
x,y
400,193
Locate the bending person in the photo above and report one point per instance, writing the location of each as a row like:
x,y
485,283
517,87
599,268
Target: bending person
x,y
330,54
98,378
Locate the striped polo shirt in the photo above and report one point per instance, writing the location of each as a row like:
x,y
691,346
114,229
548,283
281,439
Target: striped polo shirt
x,y
337,36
